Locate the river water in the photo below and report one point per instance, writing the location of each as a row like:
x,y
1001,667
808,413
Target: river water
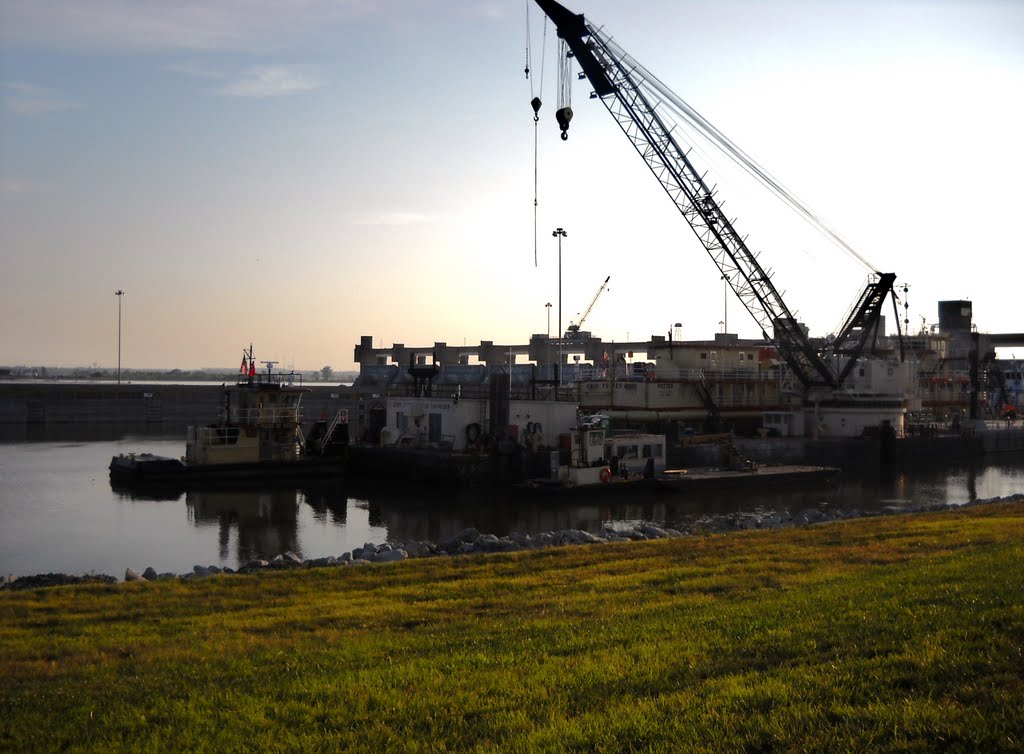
x,y
58,512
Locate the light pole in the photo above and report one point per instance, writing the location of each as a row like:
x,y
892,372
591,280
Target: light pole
x,y
559,234
120,294
548,306
725,303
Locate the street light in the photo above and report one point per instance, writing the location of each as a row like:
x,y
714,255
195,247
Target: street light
x,y
559,234
119,293
548,306
725,303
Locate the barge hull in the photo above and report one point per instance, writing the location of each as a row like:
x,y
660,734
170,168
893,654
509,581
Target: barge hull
x,y
144,468
680,480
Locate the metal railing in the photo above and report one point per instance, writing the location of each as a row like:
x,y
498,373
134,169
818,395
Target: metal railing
x,y
339,418
279,379
268,415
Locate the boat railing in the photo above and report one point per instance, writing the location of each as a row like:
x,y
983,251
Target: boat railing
x,y
726,375
672,373
278,379
339,418
269,415
739,401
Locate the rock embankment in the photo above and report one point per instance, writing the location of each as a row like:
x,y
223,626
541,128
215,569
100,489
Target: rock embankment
x,y
472,542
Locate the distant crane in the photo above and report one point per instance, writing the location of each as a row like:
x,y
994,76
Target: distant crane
x,y
573,331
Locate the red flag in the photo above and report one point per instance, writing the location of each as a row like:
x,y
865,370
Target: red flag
x,y
244,365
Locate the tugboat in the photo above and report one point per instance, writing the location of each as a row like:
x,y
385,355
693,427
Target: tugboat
x,y
258,436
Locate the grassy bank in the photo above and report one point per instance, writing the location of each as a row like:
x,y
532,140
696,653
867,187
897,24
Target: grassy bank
x,y
887,633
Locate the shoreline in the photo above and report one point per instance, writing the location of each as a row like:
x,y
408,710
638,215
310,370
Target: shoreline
x,y
471,542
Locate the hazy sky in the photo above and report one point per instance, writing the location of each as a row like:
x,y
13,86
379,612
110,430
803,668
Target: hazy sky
x,y
298,174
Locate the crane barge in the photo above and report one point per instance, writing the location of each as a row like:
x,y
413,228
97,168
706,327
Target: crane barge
x,y
633,98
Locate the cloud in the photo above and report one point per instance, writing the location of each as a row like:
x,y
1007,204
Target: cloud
x,y
113,25
194,70
28,99
11,186
390,217
492,11
273,81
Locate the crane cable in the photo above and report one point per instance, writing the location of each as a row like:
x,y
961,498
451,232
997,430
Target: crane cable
x,y
564,112
535,103
716,138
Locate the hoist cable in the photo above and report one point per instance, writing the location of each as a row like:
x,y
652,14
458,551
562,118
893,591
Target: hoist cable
x,y
722,143
535,124
528,47
536,119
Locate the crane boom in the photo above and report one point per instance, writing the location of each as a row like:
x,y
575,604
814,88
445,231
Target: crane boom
x,y
621,86
579,325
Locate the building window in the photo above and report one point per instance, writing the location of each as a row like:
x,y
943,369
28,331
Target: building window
x,y
703,356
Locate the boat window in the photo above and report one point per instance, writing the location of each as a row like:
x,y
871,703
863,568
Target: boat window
x,y
652,451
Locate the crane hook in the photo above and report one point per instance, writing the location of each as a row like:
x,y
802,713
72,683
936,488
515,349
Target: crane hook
x,y
535,104
563,115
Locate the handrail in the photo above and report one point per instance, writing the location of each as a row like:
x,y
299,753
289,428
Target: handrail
x,y
278,379
269,414
339,418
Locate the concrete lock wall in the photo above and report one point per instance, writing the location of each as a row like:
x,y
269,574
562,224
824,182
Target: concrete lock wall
x,y
177,405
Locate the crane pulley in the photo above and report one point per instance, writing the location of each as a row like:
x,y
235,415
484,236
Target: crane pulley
x,y
636,100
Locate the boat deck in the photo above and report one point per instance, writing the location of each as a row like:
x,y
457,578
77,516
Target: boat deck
x,y
684,479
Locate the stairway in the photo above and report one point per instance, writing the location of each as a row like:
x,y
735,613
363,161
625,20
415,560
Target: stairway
x,y
734,459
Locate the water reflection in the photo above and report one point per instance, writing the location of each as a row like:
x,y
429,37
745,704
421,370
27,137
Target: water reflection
x,y
416,513
265,521
260,521
58,510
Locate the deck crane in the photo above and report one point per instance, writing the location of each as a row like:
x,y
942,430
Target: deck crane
x,y
631,96
573,331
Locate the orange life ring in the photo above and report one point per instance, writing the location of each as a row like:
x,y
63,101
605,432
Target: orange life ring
x,y
606,475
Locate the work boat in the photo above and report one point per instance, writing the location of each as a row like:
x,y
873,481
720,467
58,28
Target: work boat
x,y
592,459
257,436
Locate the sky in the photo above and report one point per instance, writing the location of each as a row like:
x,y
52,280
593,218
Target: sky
x,y
297,174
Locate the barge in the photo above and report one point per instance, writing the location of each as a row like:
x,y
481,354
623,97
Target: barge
x,y
703,479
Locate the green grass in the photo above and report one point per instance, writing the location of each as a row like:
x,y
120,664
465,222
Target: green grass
x,y
898,633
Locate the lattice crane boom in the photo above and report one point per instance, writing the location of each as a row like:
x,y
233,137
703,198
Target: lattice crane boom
x,y
634,106
579,325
